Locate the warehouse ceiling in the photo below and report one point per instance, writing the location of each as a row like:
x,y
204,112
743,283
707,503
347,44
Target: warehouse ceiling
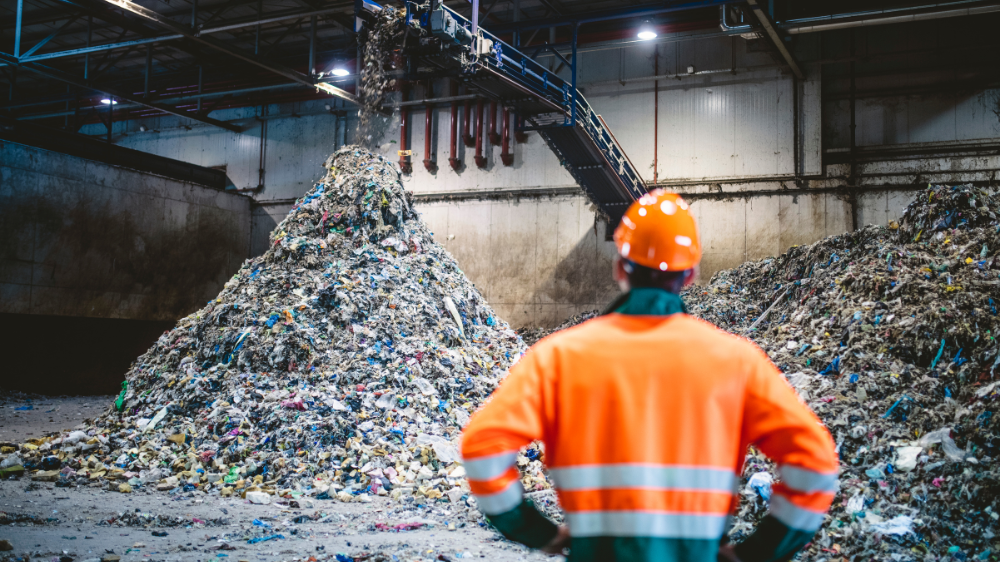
x,y
164,56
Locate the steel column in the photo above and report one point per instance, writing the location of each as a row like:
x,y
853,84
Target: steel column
x,y
765,22
312,46
17,29
201,72
149,69
475,17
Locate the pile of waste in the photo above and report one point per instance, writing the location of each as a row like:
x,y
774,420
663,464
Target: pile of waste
x,y
532,335
342,363
889,334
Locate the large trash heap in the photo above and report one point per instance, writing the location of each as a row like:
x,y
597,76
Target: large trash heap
x,y
889,334
341,364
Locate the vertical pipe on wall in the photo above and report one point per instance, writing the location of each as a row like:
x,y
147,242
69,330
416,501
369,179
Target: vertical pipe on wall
x,y
505,156
795,126
429,164
480,159
404,157
494,136
853,179
467,125
453,131
853,116
656,113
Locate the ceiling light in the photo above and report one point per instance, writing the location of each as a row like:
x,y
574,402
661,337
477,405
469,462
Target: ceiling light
x,y
646,32
107,101
340,71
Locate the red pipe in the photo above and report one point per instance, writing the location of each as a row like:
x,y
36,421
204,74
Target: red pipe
x,y
404,157
429,164
505,156
480,159
467,126
494,137
520,136
453,160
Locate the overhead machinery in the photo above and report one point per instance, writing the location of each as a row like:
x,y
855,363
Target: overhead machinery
x,y
439,38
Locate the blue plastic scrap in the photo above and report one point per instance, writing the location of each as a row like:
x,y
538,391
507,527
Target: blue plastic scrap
x,y
266,538
938,356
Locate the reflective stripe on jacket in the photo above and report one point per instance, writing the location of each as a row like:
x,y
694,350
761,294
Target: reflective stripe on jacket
x,y
646,421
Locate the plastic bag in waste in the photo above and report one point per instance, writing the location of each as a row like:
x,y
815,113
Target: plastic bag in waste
x,y
943,436
445,451
856,504
906,458
760,484
899,525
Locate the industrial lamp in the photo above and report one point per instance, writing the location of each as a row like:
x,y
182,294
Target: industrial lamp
x,y
340,71
646,31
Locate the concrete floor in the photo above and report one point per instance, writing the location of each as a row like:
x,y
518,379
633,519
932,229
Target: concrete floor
x,y
86,522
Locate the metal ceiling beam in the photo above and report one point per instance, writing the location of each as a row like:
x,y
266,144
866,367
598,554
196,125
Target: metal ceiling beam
x,y
776,39
606,15
49,37
174,27
72,80
164,38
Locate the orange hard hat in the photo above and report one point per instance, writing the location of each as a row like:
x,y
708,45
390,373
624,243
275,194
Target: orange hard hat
x,y
659,232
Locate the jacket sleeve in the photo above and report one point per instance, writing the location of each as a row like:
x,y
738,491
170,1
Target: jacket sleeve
x,y
778,423
511,419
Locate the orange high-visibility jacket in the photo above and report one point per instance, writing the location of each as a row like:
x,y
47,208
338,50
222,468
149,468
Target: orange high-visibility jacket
x,y
646,422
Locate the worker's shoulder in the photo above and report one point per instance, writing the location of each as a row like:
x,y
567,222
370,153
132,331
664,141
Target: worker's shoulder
x,y
582,331
699,329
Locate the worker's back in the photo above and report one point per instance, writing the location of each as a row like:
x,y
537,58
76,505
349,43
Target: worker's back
x,y
646,430
645,421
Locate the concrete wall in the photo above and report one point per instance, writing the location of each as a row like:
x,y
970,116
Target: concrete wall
x,y
82,238
537,260
97,261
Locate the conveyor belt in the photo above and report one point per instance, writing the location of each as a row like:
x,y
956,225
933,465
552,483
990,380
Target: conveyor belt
x,y
581,139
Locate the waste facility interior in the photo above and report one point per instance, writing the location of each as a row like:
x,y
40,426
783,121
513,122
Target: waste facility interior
x,y
180,181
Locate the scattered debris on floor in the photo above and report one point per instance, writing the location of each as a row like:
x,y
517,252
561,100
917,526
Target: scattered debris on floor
x,y
341,364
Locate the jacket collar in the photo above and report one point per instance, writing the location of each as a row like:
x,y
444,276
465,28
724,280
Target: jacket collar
x,y
647,301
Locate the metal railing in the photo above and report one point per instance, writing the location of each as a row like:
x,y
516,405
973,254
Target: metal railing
x,y
565,98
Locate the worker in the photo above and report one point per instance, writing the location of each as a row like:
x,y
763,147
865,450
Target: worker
x,y
646,414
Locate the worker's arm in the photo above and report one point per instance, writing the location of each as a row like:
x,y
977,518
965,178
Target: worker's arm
x,y
778,423
511,419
